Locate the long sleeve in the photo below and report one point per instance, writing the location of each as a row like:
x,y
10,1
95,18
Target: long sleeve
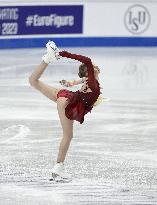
x,y
86,61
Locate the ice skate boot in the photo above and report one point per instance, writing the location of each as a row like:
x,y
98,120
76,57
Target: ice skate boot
x,y
59,174
52,46
52,53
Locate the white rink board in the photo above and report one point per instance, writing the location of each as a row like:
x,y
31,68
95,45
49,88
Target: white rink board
x,y
104,19
107,19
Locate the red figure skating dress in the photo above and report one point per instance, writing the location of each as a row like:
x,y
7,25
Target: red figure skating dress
x,y
80,103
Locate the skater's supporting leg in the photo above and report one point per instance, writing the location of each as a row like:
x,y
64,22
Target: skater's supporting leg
x,y
63,148
67,126
45,89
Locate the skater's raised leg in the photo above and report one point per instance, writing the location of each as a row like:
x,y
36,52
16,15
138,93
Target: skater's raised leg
x,y
47,90
49,57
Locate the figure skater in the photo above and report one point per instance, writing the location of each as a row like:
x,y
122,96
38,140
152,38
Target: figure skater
x,y
70,105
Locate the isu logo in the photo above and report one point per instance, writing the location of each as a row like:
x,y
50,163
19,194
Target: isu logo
x,y
137,19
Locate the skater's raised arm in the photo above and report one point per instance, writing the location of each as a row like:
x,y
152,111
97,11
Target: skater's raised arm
x,y
83,59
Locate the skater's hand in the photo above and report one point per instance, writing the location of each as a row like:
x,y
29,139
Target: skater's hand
x,y
64,83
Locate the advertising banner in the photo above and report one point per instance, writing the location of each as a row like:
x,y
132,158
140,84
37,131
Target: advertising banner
x,y
87,24
28,20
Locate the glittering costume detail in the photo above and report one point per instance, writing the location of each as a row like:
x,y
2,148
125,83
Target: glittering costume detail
x,y
80,103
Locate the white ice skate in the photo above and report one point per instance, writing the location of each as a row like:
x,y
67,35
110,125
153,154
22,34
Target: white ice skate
x,y
59,174
52,53
52,46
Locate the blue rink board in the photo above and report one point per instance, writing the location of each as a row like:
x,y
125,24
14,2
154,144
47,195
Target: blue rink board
x,y
80,42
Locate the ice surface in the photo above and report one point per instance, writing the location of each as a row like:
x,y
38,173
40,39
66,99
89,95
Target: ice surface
x,y
113,155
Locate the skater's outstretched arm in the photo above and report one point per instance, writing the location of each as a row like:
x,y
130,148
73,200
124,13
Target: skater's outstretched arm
x,y
70,83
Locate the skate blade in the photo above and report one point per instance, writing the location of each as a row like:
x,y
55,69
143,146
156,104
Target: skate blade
x,y
57,178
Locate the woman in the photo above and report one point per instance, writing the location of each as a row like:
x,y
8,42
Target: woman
x,y
71,105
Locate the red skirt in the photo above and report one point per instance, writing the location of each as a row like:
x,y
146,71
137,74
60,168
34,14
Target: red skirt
x,y
76,109
64,93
